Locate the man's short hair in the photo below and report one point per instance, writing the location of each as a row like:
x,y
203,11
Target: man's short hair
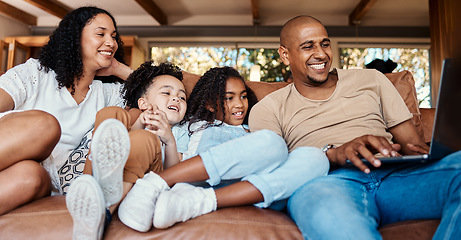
x,y
287,26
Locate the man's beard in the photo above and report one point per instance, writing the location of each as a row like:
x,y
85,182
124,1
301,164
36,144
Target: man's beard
x,y
317,82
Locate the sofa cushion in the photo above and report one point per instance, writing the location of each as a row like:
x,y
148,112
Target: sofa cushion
x,y
412,229
427,118
405,84
245,222
48,218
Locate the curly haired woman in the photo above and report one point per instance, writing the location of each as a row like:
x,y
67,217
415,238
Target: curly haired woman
x,y
48,105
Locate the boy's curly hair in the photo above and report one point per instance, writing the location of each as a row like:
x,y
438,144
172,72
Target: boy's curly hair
x,y
140,80
62,53
210,91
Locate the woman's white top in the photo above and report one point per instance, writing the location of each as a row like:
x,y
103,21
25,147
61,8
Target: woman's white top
x,y
31,87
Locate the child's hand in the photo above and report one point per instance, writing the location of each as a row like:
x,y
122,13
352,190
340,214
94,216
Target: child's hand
x,y
157,123
146,116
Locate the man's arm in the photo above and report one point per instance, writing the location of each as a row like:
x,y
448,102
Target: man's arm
x,y
404,133
262,117
407,136
362,147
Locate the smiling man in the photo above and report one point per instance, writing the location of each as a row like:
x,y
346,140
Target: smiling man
x,y
354,114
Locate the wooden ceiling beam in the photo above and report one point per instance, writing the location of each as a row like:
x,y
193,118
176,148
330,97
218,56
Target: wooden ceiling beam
x,y
154,11
360,11
51,6
255,11
17,14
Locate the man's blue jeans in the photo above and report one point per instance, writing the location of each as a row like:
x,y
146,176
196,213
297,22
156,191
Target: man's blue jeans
x,y
349,204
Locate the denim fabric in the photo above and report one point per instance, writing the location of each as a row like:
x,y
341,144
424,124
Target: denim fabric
x,y
349,204
262,159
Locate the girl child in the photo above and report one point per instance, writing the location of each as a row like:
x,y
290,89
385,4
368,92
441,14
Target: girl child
x,y
157,99
260,163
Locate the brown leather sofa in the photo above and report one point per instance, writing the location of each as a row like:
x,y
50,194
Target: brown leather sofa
x,y
48,218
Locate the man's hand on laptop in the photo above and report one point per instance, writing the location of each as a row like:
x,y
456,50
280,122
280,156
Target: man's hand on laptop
x,y
363,147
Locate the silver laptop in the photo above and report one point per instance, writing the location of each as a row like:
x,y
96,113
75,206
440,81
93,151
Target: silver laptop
x,y
446,133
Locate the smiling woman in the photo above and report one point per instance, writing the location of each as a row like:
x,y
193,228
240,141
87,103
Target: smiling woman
x,y
99,43
48,105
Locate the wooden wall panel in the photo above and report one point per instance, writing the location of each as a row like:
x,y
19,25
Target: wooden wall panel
x,y
445,22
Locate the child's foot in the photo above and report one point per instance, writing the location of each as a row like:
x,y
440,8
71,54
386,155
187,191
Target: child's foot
x,y
182,203
137,208
85,203
110,148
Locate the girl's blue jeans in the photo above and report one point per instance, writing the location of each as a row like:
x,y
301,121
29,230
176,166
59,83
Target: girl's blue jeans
x,y
349,204
262,159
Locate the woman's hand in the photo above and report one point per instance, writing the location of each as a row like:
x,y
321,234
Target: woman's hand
x,y
116,69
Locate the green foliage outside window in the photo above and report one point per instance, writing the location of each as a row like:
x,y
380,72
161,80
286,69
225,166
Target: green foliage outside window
x,y
272,67
199,59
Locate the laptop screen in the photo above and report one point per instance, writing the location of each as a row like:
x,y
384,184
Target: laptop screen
x,y
447,128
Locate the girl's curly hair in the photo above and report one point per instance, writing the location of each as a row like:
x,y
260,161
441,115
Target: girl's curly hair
x,y
139,81
210,91
62,53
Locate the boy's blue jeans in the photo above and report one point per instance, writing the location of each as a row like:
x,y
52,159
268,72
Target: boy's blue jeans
x,y
349,204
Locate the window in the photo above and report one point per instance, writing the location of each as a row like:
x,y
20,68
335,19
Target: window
x,y
199,59
415,60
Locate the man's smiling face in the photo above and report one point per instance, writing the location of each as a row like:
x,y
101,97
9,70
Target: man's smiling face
x,y
307,50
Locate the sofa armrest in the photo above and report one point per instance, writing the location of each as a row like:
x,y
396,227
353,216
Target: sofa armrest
x,y
427,118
